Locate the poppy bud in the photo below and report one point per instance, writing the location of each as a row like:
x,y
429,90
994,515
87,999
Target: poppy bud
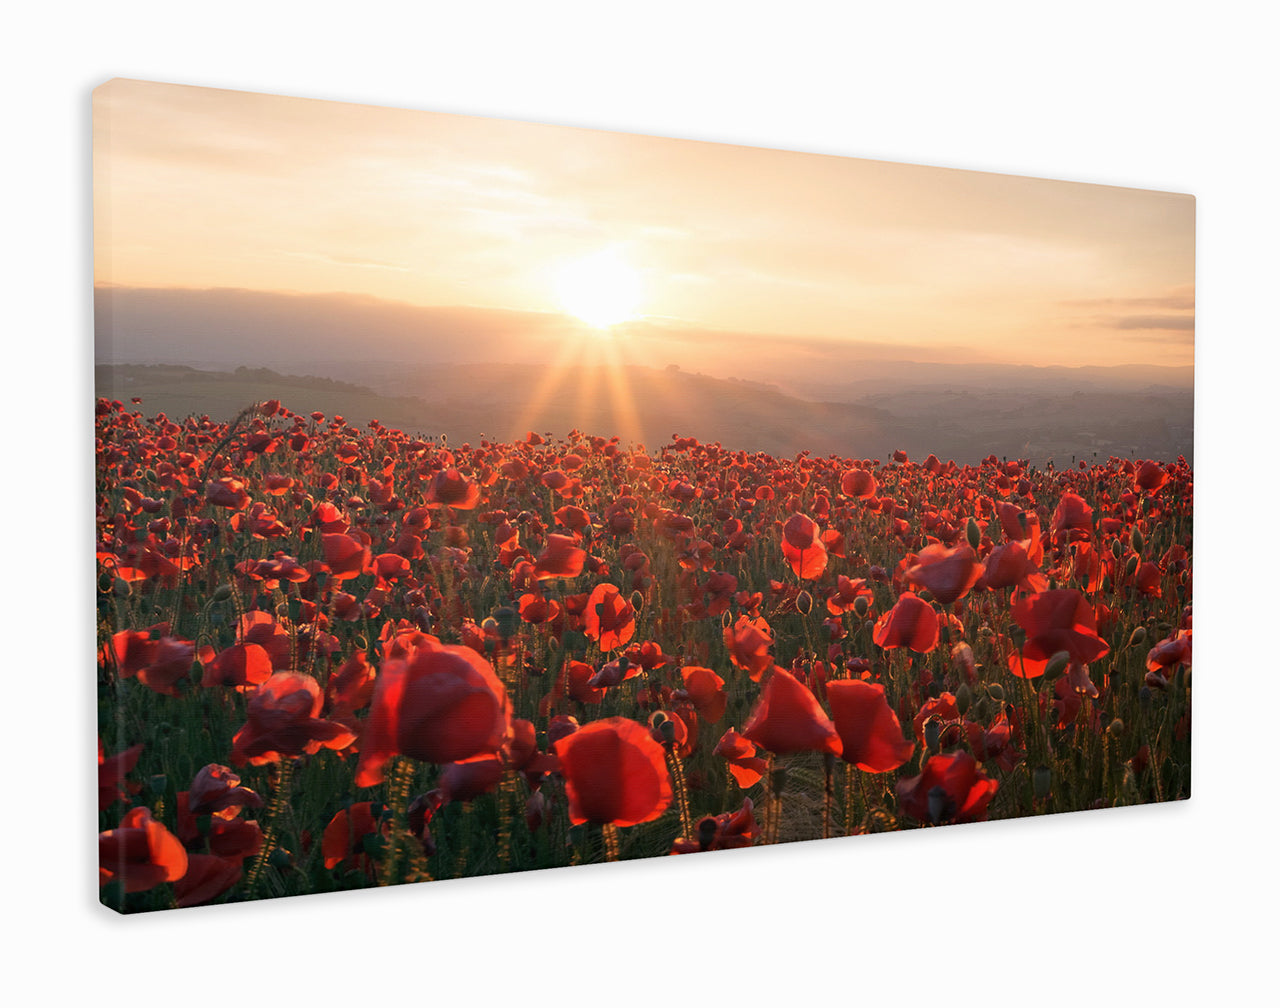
x,y
280,858
222,593
932,735
1130,566
1138,636
938,802
121,588
668,729
964,698
973,534
658,719
804,603
508,621
1116,728
1041,781
1057,665
637,600
1135,539
860,606
996,692
1116,548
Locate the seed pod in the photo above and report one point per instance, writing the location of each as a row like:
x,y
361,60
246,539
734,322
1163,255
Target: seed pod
x,y
1057,665
860,606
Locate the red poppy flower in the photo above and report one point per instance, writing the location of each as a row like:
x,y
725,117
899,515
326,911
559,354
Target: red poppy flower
x,y
614,773
1008,566
140,853
350,688
911,623
951,788
608,619
238,665
727,831
869,731
746,767
451,488
561,557
228,493
947,573
467,779
281,722
748,642
803,547
846,594
112,771
787,719
1073,517
440,704
535,609
1175,650
1058,620
216,790
706,691
344,836
1150,476
345,556
207,877
158,664
858,483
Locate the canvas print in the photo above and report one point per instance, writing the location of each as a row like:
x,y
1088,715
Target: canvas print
x,y
477,496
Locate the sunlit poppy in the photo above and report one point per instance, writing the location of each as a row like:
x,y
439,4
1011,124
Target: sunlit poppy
x,y
746,767
787,718
281,722
748,642
948,574
726,831
608,619
441,704
870,734
140,853
951,788
1058,620
911,623
561,557
614,772
803,547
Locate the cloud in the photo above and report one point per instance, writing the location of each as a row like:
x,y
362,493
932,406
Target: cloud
x,y
1165,338
1166,322
1177,299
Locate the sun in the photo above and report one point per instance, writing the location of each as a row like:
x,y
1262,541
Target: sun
x,y
601,289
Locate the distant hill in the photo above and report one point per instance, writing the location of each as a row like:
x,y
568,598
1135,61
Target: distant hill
x,y
650,406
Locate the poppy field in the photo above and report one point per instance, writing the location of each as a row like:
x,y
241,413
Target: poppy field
x,y
336,656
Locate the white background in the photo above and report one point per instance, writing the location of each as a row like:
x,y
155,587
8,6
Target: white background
x,y
1174,903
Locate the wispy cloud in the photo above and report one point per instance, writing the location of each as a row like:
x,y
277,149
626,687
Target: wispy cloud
x,y
1178,322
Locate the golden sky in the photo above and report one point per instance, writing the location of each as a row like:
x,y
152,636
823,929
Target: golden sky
x,y
204,188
